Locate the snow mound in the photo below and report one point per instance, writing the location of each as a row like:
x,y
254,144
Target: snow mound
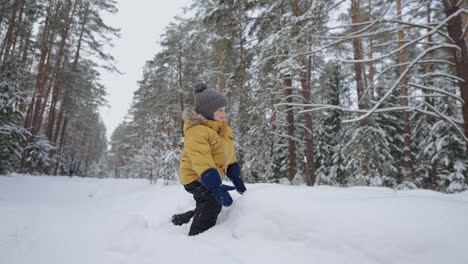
x,y
75,220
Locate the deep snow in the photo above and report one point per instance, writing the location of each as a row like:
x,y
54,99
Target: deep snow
x,y
47,220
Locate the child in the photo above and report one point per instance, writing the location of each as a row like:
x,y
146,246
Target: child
x,y
208,155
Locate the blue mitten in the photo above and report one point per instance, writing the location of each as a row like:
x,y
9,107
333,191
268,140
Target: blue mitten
x,y
233,173
212,181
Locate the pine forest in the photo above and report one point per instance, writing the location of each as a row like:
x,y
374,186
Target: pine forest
x,y
320,92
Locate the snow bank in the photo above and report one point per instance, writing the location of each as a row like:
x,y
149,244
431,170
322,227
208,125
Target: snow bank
x,y
75,220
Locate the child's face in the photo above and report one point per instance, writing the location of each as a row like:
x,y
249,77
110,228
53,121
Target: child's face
x,y
220,114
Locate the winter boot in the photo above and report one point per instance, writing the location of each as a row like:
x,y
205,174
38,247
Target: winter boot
x,y
180,219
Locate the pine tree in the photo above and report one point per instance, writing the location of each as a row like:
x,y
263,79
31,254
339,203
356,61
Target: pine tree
x,y
12,134
60,89
277,64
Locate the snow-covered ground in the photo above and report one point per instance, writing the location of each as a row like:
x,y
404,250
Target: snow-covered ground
x,y
48,220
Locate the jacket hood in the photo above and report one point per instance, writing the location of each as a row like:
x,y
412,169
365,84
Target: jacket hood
x,y
191,117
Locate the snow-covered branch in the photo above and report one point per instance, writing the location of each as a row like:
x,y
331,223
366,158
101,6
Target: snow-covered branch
x,y
459,3
371,85
397,82
436,113
319,107
288,137
448,120
431,32
450,76
422,96
420,26
433,89
432,114
358,33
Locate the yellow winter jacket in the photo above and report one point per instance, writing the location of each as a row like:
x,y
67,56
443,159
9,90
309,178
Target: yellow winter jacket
x,y
207,144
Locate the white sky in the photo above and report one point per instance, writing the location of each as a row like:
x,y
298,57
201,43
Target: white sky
x,y
141,23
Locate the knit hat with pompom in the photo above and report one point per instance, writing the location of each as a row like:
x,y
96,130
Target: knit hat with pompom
x,y
208,101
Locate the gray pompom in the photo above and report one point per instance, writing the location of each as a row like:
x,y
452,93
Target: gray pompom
x,y
199,87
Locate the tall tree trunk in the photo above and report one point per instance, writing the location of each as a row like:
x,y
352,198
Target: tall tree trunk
x,y
58,68
287,91
242,93
433,179
63,119
17,30
43,71
53,106
84,22
464,18
88,153
407,159
3,8
430,56
309,137
181,94
28,119
45,98
84,142
35,104
219,53
273,129
41,66
23,49
305,84
292,168
360,76
455,30
9,36
62,123
62,142
25,42
371,55
358,55
58,124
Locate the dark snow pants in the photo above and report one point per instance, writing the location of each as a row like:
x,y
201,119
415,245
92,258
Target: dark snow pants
x,y
206,211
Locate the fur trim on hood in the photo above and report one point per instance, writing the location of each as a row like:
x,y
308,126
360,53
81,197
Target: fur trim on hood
x,y
190,116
